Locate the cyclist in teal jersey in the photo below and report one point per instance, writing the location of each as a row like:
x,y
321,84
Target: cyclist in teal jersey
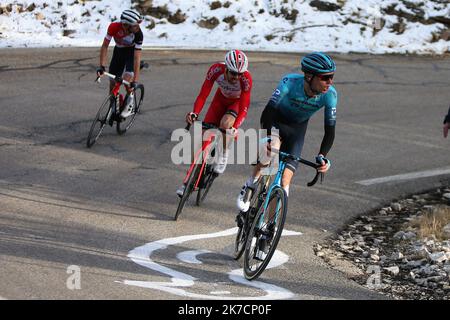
x,y
292,104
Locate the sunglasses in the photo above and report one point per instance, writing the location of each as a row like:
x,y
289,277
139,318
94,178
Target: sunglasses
x,y
325,77
234,74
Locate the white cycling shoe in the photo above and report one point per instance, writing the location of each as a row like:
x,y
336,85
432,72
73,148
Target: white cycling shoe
x,y
241,204
128,111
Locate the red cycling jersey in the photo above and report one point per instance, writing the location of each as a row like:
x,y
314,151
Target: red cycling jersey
x,y
123,40
229,96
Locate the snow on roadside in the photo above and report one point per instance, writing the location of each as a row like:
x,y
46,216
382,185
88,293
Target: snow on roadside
x,y
374,26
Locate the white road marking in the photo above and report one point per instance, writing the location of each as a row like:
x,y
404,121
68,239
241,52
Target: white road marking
x,y
406,176
191,256
141,255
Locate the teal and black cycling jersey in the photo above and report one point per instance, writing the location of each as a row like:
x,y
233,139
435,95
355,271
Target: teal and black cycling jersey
x,y
291,101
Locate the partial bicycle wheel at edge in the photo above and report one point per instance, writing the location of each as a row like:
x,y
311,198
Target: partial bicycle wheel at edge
x,y
253,267
102,117
125,124
188,190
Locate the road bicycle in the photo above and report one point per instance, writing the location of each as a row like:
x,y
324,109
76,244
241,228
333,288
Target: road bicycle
x,y
260,228
112,107
200,175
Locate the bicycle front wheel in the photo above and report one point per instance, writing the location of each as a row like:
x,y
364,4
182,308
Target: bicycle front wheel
x,y
124,124
246,217
190,184
264,234
104,114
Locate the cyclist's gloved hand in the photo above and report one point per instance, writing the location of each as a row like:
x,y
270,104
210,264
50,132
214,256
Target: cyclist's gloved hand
x,y
100,70
133,85
232,132
325,164
190,117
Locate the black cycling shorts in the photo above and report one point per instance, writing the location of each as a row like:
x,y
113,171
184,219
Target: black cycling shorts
x,y
292,135
122,60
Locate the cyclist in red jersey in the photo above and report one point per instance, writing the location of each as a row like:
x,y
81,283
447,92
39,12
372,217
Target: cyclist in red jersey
x,y
231,101
126,57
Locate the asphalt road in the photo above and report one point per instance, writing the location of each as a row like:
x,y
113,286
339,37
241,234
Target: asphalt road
x,y
65,208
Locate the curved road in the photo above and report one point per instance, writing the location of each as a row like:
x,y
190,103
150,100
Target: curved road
x,y
106,213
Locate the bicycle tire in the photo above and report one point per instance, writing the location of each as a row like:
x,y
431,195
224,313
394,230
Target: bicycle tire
x,y
202,192
250,251
125,124
188,190
101,119
241,236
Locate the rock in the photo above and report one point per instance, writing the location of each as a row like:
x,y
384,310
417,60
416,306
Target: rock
x,y
346,247
210,23
446,196
231,20
178,17
399,235
324,6
421,282
409,235
415,263
215,5
374,251
68,33
393,270
365,254
377,241
374,257
39,16
382,212
396,256
396,206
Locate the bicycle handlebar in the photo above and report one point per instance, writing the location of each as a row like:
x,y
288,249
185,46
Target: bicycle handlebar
x,y
309,164
117,79
206,126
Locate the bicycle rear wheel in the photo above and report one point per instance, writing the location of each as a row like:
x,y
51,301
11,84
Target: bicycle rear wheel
x,y
188,190
247,217
124,124
209,177
104,114
265,229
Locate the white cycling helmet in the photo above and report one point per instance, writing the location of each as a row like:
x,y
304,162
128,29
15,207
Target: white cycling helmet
x,y
130,17
236,61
